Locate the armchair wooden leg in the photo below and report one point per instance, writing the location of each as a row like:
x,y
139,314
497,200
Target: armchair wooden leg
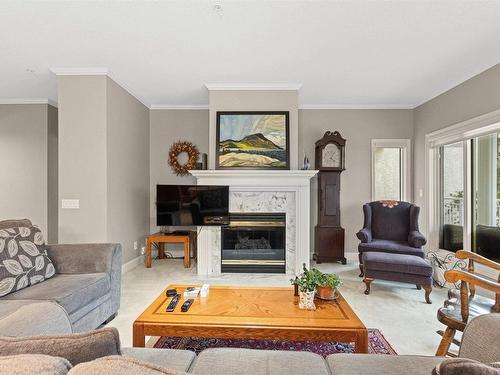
x,y
428,291
446,341
362,271
367,281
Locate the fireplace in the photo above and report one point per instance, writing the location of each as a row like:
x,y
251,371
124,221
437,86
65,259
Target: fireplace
x,y
254,242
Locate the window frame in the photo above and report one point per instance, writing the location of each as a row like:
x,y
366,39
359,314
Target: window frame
x,y
406,167
461,132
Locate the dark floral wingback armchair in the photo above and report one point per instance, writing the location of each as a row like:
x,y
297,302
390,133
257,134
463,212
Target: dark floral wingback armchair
x,y
390,227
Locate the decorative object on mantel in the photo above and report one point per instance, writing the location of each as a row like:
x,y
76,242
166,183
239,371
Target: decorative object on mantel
x,y
329,235
203,164
252,140
173,157
314,283
307,165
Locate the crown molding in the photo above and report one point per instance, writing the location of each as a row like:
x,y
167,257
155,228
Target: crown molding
x,y
80,71
253,86
174,107
179,107
29,101
356,106
93,72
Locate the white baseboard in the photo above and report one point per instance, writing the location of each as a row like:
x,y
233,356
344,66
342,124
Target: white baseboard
x,y
131,264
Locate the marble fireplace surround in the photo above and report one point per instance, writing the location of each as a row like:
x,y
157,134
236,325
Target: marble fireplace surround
x,y
260,191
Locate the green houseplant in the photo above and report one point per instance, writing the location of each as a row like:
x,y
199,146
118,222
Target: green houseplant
x,y
309,282
327,286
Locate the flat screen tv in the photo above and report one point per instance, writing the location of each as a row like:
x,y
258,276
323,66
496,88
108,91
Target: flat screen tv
x,y
192,205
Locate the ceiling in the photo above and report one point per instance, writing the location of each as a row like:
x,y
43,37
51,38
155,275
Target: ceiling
x,y
388,54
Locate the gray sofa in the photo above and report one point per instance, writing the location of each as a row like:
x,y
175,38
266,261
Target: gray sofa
x,y
99,352
82,295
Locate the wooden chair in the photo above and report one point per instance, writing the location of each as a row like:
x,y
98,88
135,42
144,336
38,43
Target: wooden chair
x,y
463,305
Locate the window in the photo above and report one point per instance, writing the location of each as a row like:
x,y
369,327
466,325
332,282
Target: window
x,y
391,169
452,196
463,176
486,192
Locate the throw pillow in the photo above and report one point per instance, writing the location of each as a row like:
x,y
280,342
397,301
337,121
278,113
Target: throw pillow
x,y
76,347
459,366
34,364
23,259
119,365
15,223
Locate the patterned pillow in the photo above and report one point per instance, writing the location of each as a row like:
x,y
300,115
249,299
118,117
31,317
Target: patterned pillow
x,y
23,259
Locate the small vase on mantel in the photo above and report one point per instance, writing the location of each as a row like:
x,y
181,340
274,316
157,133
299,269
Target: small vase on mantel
x,y
306,300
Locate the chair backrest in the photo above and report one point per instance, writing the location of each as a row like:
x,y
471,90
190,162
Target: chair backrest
x,y
393,220
481,339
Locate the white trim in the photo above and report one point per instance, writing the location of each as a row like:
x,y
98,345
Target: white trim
x,y
131,264
405,146
253,86
79,71
94,72
475,127
29,101
182,107
177,107
356,106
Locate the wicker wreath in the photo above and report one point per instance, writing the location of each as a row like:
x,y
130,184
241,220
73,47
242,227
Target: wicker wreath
x,y
178,148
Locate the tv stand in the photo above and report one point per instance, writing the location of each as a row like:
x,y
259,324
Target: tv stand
x,y
186,237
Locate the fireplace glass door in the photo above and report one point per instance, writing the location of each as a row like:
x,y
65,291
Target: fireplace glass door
x,y
254,243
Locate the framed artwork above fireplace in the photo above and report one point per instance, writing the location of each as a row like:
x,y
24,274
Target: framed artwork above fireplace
x,y
252,140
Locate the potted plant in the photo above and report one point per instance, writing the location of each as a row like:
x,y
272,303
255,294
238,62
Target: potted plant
x,y
307,282
327,286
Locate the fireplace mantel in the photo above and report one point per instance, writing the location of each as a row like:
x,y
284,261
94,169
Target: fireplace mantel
x,y
262,178
254,191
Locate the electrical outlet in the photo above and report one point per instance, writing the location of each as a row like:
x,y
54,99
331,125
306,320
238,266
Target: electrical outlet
x,y
143,250
135,245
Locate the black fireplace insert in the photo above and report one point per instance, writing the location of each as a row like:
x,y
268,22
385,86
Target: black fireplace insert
x,y
254,242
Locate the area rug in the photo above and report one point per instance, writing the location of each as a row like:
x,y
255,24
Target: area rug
x,y
377,344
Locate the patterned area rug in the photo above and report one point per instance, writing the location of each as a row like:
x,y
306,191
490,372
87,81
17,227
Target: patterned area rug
x,y
377,344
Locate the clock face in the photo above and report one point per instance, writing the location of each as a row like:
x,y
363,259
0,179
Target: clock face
x,y
332,156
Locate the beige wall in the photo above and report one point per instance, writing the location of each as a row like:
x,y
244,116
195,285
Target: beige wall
x,y
254,100
26,155
127,170
103,162
474,97
82,158
167,127
358,127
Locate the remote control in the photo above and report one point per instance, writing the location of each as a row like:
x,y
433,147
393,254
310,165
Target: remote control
x,y
186,305
173,303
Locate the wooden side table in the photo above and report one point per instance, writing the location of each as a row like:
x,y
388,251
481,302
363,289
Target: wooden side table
x,y
161,239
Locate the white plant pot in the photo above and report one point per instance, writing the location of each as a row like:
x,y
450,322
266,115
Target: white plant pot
x,y
306,300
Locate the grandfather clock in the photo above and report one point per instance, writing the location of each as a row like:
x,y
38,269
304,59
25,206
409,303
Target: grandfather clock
x,y
329,235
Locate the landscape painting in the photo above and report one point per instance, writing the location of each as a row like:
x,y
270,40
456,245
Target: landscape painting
x,y
252,140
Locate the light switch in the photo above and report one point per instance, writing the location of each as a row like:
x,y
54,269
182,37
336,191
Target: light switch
x,y
71,203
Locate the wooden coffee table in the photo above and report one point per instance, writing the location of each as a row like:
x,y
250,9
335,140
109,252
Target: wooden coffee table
x,y
252,312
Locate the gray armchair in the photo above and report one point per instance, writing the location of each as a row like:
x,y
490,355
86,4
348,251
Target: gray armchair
x,y
390,227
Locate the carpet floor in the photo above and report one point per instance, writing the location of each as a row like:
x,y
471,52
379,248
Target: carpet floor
x,y
377,344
